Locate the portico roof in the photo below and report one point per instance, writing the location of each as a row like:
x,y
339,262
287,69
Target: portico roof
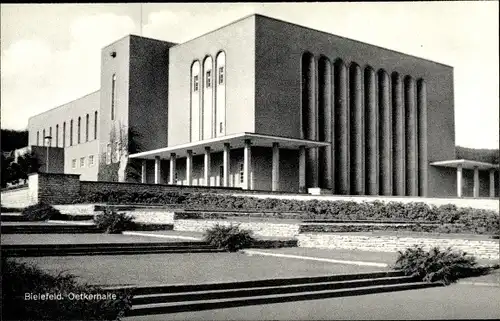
x,y
467,164
235,141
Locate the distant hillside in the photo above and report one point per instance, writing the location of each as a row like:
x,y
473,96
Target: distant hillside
x,y
13,139
480,155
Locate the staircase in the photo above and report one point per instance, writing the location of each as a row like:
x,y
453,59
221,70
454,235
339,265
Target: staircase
x,y
181,298
47,228
28,250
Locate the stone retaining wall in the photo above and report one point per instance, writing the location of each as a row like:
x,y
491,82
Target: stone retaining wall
x,y
258,228
76,209
152,217
484,249
16,198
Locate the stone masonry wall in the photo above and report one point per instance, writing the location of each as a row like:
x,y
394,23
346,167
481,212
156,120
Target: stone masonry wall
x,y
58,188
151,217
16,198
484,249
258,228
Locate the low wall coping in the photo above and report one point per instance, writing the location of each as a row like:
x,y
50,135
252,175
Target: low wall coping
x,y
167,185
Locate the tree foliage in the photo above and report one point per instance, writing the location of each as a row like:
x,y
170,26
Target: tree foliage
x,y
13,139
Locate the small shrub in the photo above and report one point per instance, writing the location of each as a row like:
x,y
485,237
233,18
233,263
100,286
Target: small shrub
x,y
438,266
229,238
41,212
19,279
113,222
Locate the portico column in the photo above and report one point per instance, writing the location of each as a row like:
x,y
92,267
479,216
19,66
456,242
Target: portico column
x,y
143,172
492,182
225,165
157,169
206,174
189,167
173,159
302,169
247,164
275,174
459,180
476,182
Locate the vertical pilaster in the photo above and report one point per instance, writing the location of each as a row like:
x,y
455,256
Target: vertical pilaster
x,y
411,138
357,141
225,165
341,118
173,169
189,167
385,133
459,180
325,122
399,181
275,174
302,169
247,163
371,133
422,139
157,169
492,182
206,166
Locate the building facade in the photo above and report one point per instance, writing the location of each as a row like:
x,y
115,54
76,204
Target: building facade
x,y
264,104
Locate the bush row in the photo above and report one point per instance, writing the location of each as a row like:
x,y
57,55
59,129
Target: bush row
x,y
20,279
474,220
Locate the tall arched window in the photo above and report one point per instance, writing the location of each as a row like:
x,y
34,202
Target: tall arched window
x,y
220,95
64,135
57,135
195,102
43,137
37,138
207,98
71,133
50,134
95,125
113,93
79,128
87,128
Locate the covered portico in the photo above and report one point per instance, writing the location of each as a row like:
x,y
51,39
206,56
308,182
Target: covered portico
x,y
225,145
461,164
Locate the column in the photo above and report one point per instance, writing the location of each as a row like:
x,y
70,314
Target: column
x,y
189,167
143,172
371,133
459,180
385,112
302,169
157,169
247,164
341,127
492,182
325,122
422,138
275,174
207,166
357,141
225,164
172,168
399,181
476,182
411,138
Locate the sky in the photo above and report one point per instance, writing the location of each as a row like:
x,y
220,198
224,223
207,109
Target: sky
x,y
50,53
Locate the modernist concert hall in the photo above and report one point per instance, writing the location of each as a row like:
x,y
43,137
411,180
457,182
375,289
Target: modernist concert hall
x,y
264,104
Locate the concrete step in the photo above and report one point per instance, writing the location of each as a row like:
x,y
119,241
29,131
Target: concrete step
x,y
35,253
180,288
53,229
175,307
268,290
106,245
13,217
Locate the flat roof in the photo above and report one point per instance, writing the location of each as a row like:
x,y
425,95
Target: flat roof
x,y
235,141
465,163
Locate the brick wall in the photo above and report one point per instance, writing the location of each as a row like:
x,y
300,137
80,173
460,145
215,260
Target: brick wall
x,y
57,188
481,248
258,228
16,198
90,187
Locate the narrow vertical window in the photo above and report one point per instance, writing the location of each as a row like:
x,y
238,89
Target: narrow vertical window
x,y
221,75
71,133
57,135
209,78
196,83
242,174
73,163
221,175
64,135
95,125
87,128
79,129
43,133
82,162
220,127
50,134
37,138
108,154
113,89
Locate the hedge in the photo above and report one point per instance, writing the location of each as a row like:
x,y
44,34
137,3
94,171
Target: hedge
x,y
477,221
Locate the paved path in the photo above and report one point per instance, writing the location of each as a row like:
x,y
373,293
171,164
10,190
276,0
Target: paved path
x,y
452,302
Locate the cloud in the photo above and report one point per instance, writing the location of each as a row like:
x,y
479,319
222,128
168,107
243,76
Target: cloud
x,y
36,77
